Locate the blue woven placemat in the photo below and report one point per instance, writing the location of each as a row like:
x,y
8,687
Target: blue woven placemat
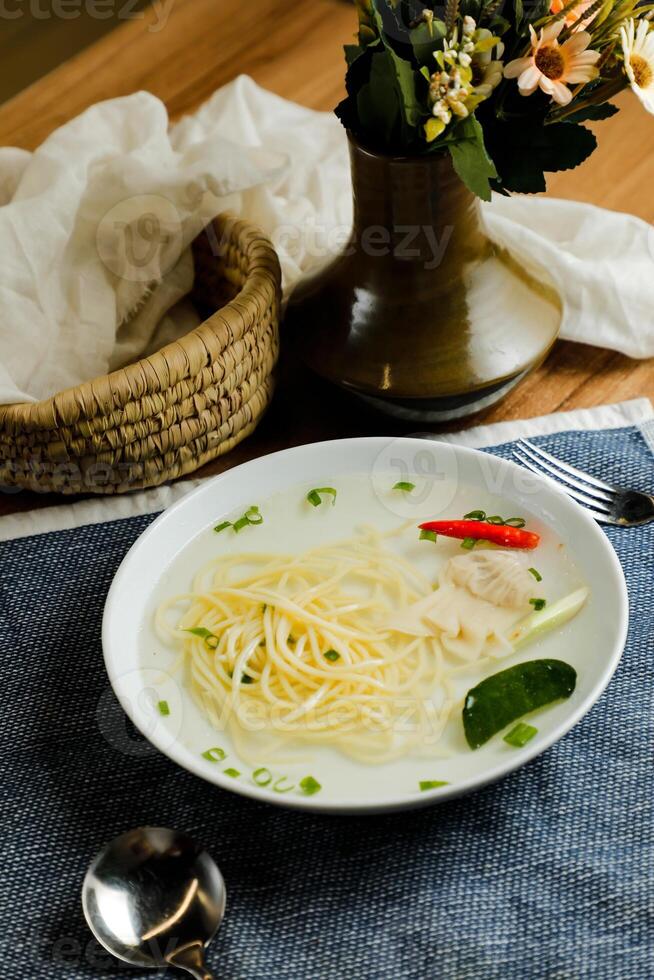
x,y
548,875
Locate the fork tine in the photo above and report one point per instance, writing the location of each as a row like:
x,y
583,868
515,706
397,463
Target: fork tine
x,y
572,470
563,475
590,503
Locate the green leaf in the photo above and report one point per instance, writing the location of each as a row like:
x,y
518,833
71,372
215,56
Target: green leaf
x,y
352,52
471,161
508,695
425,43
404,78
594,113
524,151
378,107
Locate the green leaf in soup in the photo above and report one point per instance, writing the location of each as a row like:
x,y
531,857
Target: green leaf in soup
x,y
470,159
508,695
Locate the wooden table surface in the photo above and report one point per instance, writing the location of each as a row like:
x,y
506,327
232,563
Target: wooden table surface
x,y
295,50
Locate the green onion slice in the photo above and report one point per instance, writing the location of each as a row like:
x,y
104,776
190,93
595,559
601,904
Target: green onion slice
x,y
315,496
537,575
538,604
262,777
221,527
495,519
215,755
520,734
468,543
164,708
209,638
278,788
309,786
475,515
234,773
434,783
246,679
250,517
404,485
428,536
515,522
332,655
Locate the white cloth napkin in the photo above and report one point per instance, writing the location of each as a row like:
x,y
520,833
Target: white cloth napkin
x,y
95,228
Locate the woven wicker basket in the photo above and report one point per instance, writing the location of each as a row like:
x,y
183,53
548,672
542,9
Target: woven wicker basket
x,y
170,413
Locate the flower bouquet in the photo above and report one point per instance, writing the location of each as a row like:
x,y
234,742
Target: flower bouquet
x,y
424,314
504,87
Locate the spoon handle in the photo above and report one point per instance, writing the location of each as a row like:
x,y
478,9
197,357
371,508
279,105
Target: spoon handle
x,y
191,959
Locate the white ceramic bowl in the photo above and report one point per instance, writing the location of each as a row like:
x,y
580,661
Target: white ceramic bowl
x,y
450,481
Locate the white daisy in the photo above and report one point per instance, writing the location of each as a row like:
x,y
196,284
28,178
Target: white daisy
x,y
638,50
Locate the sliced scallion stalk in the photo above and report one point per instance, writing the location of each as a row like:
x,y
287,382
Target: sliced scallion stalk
x,y
262,777
332,655
538,604
278,788
520,734
468,543
537,575
315,496
309,786
551,617
214,755
221,527
164,708
428,536
404,485
234,773
426,784
475,515
209,638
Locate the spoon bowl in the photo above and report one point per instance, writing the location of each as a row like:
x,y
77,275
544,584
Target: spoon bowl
x,y
154,898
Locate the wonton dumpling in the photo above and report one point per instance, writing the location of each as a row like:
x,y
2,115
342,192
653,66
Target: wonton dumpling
x,y
500,577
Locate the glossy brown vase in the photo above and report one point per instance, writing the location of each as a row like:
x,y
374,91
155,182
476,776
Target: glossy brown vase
x,y
422,314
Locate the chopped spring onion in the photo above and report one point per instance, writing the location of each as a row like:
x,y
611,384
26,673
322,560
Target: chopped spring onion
x,y
309,786
221,527
262,777
214,755
428,536
475,515
278,788
332,655
495,519
315,496
538,604
250,517
164,708
537,575
468,543
404,485
520,734
234,773
432,783
209,638
480,515
246,679
515,522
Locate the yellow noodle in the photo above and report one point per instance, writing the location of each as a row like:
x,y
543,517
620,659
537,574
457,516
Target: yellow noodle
x,y
274,617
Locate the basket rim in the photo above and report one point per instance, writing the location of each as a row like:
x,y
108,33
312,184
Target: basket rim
x,y
263,282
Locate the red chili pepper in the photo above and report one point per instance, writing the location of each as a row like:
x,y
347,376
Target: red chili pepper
x,y
510,537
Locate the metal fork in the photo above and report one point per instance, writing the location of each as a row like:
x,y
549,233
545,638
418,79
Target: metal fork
x,y
607,503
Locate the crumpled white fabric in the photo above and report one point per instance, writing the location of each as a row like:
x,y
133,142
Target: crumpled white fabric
x,y
95,228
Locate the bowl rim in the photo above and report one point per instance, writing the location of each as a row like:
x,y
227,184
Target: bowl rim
x,y
189,762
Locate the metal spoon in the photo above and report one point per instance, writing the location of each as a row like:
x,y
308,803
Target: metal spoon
x,y
155,898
